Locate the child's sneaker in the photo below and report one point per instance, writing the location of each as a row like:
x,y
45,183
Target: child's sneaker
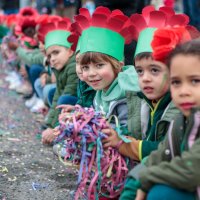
x,y
24,89
15,84
31,102
38,106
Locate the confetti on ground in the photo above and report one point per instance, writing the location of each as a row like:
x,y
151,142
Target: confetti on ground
x,y
20,147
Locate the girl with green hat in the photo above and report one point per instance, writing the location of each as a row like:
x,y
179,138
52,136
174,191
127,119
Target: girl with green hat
x,y
101,39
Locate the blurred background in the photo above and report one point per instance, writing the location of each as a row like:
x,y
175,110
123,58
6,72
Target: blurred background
x,y
70,7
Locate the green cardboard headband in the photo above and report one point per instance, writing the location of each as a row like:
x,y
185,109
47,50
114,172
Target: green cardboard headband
x,y
102,40
57,37
144,41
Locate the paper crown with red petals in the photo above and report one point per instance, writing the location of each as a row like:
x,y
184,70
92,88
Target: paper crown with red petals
x,y
144,25
11,20
166,39
28,12
24,24
42,20
2,19
55,33
105,32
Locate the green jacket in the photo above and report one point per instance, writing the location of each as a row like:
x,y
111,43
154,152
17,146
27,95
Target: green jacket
x,y
30,57
175,163
85,94
66,84
113,101
149,124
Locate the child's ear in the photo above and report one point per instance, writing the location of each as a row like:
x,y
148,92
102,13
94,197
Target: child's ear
x,y
70,52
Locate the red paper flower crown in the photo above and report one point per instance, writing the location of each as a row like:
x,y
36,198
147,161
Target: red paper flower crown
x,y
101,18
2,19
24,23
11,20
53,23
28,12
150,17
44,19
166,39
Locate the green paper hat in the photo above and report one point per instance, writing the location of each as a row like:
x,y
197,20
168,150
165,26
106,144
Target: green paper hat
x,y
57,37
144,41
101,33
102,40
78,45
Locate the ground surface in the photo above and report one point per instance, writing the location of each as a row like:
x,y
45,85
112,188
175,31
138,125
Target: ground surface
x,y
24,161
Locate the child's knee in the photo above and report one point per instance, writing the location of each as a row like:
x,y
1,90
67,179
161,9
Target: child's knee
x,y
164,192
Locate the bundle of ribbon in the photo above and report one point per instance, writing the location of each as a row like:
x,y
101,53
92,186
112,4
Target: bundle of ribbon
x,y
102,171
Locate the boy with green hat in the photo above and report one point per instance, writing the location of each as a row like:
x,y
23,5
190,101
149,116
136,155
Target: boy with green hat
x,y
62,61
156,110
150,110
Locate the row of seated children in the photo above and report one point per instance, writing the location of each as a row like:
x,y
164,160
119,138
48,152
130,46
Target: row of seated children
x,y
145,114
150,111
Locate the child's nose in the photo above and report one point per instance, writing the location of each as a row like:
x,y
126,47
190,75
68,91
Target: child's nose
x,y
92,72
146,77
184,90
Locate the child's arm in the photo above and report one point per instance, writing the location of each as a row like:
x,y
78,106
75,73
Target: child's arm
x,y
127,149
178,173
71,80
132,149
34,57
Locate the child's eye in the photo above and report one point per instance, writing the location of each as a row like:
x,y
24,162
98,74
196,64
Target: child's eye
x,y
175,82
195,81
140,72
99,65
55,52
154,70
84,68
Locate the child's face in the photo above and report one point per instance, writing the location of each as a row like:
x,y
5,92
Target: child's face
x,y
78,68
98,75
41,47
153,78
58,56
185,82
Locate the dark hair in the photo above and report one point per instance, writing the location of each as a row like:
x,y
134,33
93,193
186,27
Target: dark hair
x,y
142,55
96,57
29,31
189,48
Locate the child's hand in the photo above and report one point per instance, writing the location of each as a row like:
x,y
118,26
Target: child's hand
x,y
53,78
141,195
43,79
13,45
113,138
48,136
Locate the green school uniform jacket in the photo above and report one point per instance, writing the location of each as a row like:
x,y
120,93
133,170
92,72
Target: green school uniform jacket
x,y
34,56
176,162
85,94
146,123
66,84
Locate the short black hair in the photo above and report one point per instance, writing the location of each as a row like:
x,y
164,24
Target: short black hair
x,y
142,55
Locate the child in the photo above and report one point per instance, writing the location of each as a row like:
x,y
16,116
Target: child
x,y
178,167
85,95
110,97
62,61
151,110
101,60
